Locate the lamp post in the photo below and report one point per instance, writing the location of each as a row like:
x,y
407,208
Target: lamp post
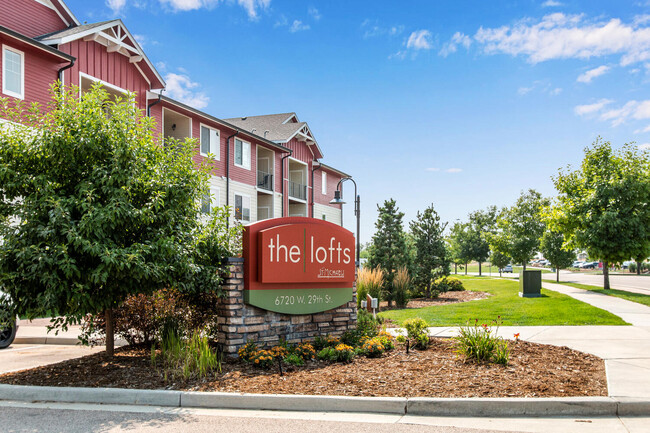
x,y
338,199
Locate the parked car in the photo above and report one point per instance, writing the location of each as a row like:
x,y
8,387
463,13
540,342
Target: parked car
x,y
507,269
7,330
576,264
589,265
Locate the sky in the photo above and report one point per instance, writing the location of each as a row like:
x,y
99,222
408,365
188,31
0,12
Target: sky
x,y
459,104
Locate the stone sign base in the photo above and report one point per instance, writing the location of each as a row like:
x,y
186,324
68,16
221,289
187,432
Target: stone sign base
x,y
239,322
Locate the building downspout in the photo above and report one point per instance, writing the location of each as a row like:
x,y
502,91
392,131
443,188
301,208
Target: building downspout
x,y
228,174
312,186
282,177
61,87
154,103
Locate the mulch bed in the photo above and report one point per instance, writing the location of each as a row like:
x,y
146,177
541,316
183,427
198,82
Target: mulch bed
x,y
535,370
444,299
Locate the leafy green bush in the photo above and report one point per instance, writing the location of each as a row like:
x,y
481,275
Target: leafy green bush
x,y
447,284
294,359
305,351
327,341
481,343
416,331
339,353
387,340
263,359
247,351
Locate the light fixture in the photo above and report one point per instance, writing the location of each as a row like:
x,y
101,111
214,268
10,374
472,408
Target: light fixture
x,y
173,127
338,199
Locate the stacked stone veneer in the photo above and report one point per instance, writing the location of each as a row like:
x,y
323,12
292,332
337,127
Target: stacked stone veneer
x,y
239,322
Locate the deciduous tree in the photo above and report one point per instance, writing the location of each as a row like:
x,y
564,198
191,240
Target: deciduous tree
x,y
603,205
94,210
554,249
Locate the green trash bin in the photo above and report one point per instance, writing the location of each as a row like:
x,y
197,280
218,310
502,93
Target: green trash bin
x,y
530,283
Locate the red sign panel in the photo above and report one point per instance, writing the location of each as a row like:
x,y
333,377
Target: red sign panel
x,y
291,255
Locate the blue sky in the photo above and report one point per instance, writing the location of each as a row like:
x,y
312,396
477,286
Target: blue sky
x,y
462,104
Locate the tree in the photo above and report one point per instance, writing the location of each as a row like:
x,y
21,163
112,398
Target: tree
x,y
552,246
481,226
520,228
459,249
499,260
603,205
389,250
430,250
94,210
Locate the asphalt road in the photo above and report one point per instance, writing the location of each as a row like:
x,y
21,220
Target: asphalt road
x,y
53,418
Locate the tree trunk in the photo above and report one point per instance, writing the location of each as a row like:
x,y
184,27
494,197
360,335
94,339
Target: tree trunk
x,y
456,268
638,268
605,275
557,275
465,268
479,269
110,332
524,265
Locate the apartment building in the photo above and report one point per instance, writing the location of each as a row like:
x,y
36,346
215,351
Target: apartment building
x,y
266,166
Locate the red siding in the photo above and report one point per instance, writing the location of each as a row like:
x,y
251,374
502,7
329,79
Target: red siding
x,y
113,68
332,180
29,17
40,71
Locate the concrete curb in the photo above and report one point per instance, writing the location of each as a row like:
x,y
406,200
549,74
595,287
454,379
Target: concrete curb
x,y
61,341
478,407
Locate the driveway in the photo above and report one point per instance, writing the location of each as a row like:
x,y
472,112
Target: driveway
x,y
24,356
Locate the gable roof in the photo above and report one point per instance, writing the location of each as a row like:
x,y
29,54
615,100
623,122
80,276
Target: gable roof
x,y
64,12
36,44
116,37
281,128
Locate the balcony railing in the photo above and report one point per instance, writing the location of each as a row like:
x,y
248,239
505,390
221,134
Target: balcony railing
x,y
297,190
264,180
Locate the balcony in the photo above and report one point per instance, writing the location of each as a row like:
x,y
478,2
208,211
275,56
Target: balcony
x,y
264,180
297,191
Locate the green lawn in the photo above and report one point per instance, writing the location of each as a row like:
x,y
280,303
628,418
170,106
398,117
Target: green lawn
x,y
628,296
485,269
551,309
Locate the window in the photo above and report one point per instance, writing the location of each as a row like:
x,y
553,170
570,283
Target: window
x,y
13,72
323,185
242,208
210,142
242,154
324,217
209,200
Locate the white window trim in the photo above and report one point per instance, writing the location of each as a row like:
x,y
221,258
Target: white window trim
x,y
250,207
323,186
250,153
215,198
22,72
104,83
218,154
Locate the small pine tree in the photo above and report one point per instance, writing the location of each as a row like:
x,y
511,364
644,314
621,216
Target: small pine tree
x,y
430,249
389,244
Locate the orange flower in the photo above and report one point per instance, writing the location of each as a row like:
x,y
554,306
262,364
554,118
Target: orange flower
x,y
517,336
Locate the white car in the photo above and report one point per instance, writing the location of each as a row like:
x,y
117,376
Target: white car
x,y
7,330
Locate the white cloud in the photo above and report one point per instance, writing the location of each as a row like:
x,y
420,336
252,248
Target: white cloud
x,y
644,146
298,26
524,90
315,14
560,36
252,6
432,169
419,40
555,91
582,110
161,65
183,89
451,46
116,5
642,130
551,4
589,75
454,170
141,39
542,86
631,110
373,29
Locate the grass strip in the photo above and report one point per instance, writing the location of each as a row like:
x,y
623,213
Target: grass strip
x,y
639,298
551,309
